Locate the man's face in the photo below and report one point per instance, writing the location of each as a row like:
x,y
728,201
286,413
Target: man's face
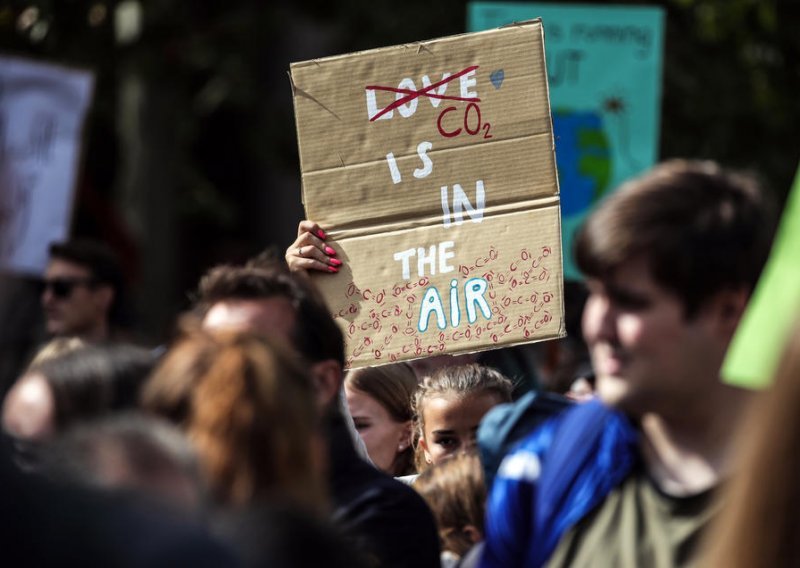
x,y
647,355
72,303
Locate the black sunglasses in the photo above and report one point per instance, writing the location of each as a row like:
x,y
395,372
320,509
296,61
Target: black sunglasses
x,y
63,287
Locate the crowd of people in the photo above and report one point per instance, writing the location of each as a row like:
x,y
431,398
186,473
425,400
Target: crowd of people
x,y
245,442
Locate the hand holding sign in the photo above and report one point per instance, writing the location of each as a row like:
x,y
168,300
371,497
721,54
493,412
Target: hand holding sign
x,y
309,251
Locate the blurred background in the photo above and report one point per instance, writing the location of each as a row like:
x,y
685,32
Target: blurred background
x,y
190,153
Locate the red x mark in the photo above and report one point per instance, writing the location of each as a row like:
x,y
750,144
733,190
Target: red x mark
x,y
411,94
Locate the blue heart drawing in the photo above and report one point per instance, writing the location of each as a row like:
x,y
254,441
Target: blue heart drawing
x,y
497,78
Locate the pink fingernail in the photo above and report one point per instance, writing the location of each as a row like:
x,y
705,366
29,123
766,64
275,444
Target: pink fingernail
x,y
335,261
333,269
330,251
321,234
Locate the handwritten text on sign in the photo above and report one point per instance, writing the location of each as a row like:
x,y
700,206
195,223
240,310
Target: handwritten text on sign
x,y
435,175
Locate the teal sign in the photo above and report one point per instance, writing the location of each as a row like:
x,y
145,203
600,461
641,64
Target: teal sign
x,y
604,66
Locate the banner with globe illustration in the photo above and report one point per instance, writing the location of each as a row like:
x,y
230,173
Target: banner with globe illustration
x,y
604,66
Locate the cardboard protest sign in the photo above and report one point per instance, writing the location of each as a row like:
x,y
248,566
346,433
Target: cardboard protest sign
x,y
604,65
431,167
753,357
42,110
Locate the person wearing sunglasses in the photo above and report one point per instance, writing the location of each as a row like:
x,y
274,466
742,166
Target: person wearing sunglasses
x,y
81,290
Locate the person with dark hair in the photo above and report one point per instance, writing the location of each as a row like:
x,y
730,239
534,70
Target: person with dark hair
x,y
129,452
385,520
379,399
671,259
83,291
79,384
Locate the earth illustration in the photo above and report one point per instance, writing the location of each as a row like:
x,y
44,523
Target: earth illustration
x,y
583,157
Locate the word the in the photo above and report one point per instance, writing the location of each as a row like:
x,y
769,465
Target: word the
x,y
474,289
427,258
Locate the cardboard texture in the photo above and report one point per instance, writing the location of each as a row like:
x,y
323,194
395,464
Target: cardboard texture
x,y
431,167
771,315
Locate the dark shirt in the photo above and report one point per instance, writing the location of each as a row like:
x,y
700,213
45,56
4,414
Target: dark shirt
x,y
384,518
43,525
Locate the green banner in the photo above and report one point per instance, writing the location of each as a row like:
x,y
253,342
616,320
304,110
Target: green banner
x,y
773,311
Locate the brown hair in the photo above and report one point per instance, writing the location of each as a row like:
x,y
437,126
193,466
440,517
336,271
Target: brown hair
x,y
316,335
702,230
455,491
392,386
758,525
248,407
461,381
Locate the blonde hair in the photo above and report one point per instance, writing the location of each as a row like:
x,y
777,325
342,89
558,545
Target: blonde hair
x,y
462,381
392,386
455,491
759,524
248,407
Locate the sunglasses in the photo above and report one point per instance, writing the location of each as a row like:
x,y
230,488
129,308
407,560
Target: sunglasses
x,y
62,287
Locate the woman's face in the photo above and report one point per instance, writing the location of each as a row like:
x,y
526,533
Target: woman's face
x,y
383,436
450,423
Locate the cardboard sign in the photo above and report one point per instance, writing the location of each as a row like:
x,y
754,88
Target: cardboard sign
x,y
604,65
431,167
42,109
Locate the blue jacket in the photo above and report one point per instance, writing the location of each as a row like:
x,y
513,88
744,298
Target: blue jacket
x,y
552,480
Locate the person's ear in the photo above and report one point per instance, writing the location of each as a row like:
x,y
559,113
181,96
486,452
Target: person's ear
x,y
473,533
424,445
327,377
405,439
728,306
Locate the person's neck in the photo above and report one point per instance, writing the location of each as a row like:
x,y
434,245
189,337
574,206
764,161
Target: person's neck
x,y
690,450
97,334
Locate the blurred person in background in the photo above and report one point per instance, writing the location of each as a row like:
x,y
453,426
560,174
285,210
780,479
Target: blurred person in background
x,y
247,406
455,492
380,403
759,524
630,479
83,291
385,520
79,384
129,452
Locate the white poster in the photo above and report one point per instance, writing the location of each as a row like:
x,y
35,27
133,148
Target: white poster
x,y
42,110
